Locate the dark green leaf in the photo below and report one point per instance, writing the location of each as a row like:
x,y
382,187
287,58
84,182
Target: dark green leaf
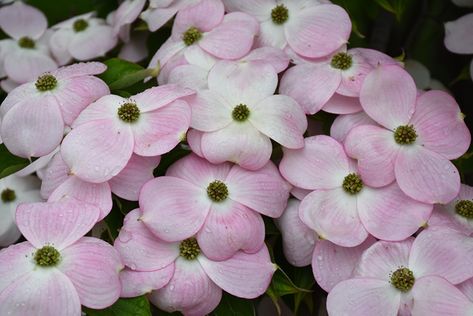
x,y
10,163
121,74
234,306
137,306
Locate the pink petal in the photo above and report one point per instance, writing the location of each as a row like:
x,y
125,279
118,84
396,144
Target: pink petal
x,y
194,140
127,13
442,218
20,93
189,76
140,249
105,108
108,146
156,18
93,42
457,35
439,125
230,227
388,96
136,283
299,193
56,173
23,65
93,265
58,223
280,118
58,44
169,49
128,183
298,239
204,16
136,49
442,252
332,264
258,8
426,176
436,296
243,275
210,111
321,164
158,97
14,264
376,151
352,78
343,124
79,69
375,57
318,86
318,31
19,20
274,56
339,104
271,34
467,288
173,209
388,214
363,297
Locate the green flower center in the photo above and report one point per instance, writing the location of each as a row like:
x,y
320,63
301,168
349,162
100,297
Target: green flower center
x,y
279,14
463,208
8,195
405,134
352,183
403,279
129,112
342,61
47,256
189,249
80,25
240,113
191,36
217,191
26,42
46,82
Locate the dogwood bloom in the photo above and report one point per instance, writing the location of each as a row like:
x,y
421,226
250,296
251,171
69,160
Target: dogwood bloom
x,y
457,36
182,276
150,123
343,124
13,191
408,277
57,270
36,113
124,16
219,204
417,137
161,11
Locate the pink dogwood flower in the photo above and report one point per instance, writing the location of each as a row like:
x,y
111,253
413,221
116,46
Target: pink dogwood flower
x,y
457,37
408,277
111,129
343,124
161,11
219,204
36,113
417,137
124,16
239,114
180,275
312,29
57,270
342,208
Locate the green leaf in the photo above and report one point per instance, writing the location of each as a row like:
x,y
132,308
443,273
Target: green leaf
x,y
122,74
397,7
234,306
10,163
137,306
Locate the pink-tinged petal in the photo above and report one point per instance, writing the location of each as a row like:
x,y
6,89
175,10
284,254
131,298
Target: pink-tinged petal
x,y
467,288
419,73
105,108
33,128
340,104
136,283
437,297
442,218
205,306
155,18
375,57
158,97
97,194
332,264
204,16
80,69
363,297
383,258
19,19
8,85
333,215
246,83
299,193
140,249
311,85
426,176
159,131
198,171
243,275
56,173
58,44
457,35
239,143
388,214
23,65
19,94
194,140
171,48
38,165
439,124
9,232
442,252
33,294
127,13
280,118
271,34
261,9
274,56
376,151
318,31
388,96
233,38
58,223
321,164
230,227
189,76
352,78
264,191
128,183
298,239
173,209
189,286
343,124
210,111
136,49
16,262
93,265
93,42
108,146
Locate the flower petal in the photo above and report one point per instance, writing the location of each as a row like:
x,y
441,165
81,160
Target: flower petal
x,y
105,108
457,35
205,15
467,288
19,19
157,97
137,283
343,124
274,56
93,42
56,173
23,65
79,70
210,111
16,262
340,104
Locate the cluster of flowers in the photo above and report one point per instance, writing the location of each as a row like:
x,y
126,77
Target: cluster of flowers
x,y
361,195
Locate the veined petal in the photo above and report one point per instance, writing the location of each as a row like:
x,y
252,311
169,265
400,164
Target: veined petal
x,y
136,283
20,19
457,35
